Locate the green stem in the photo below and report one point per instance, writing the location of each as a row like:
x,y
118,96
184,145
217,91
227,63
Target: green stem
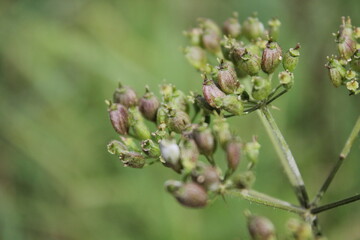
x,y
286,158
335,204
344,153
263,199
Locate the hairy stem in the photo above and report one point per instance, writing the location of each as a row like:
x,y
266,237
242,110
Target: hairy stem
x,y
335,204
344,153
286,158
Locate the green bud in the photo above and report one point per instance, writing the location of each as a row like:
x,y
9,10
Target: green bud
x,y
178,121
178,100
130,144
291,58
271,57
226,44
150,148
286,79
232,27
162,115
211,91
204,139
194,36
132,159
336,71
116,147
250,63
189,154
125,96
118,117
261,88
207,176
170,153
274,28
227,79
196,57
261,228
161,132
189,194
233,154
149,105
222,130
137,124
231,103
253,28
244,180
252,151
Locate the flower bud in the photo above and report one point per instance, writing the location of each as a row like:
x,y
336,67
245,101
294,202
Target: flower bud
x,y
274,30
346,29
204,139
149,105
261,88
189,154
352,86
194,36
178,120
211,91
178,100
125,96
355,61
190,195
150,148
227,79
210,25
207,176
291,58
252,151
244,180
336,71
137,124
130,144
253,28
170,153
286,79
116,147
233,154
249,63
118,117
261,228
232,27
196,57
231,103
346,46
271,57
226,44
211,41
222,131
132,159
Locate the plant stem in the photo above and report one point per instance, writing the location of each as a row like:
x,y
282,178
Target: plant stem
x,y
286,158
344,153
263,199
335,204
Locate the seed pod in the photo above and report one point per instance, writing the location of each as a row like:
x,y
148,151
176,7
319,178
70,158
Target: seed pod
x,y
119,118
211,41
253,28
204,139
355,61
125,96
261,228
211,91
357,32
116,147
250,63
196,57
291,58
271,57
170,153
336,71
189,154
207,176
261,88
233,154
286,78
137,124
194,36
132,159
178,120
178,100
208,24
191,195
346,46
232,27
231,103
252,151
222,131
274,30
227,79
299,230
236,52
162,115
149,105
150,148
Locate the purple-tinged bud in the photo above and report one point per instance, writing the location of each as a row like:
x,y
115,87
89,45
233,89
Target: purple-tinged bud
x,y
271,57
196,57
178,120
355,61
336,71
208,177
232,27
352,86
291,58
189,194
189,154
222,131
137,124
194,36
132,159
233,154
261,88
211,42
236,51
286,79
118,117
116,147
346,46
244,180
149,105
227,79
250,63
211,91
274,25
125,96
231,103
150,148
253,28
204,139
261,228
170,154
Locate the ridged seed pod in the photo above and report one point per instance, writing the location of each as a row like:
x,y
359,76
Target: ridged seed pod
x,y
227,79
204,139
232,27
148,105
253,28
191,195
178,121
211,91
231,103
271,57
116,147
291,58
222,131
346,47
150,148
211,41
233,154
137,124
250,63
336,71
261,228
261,88
189,154
125,96
119,118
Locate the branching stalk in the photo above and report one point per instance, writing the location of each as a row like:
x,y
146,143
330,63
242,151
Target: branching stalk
x,y
335,204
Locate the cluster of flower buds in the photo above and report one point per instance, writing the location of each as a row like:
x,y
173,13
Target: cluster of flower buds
x,y
248,55
344,69
153,130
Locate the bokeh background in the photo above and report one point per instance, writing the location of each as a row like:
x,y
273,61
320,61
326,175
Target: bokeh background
x,y
59,60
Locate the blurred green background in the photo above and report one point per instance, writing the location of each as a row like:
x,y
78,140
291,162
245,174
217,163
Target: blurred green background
x,y
59,60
